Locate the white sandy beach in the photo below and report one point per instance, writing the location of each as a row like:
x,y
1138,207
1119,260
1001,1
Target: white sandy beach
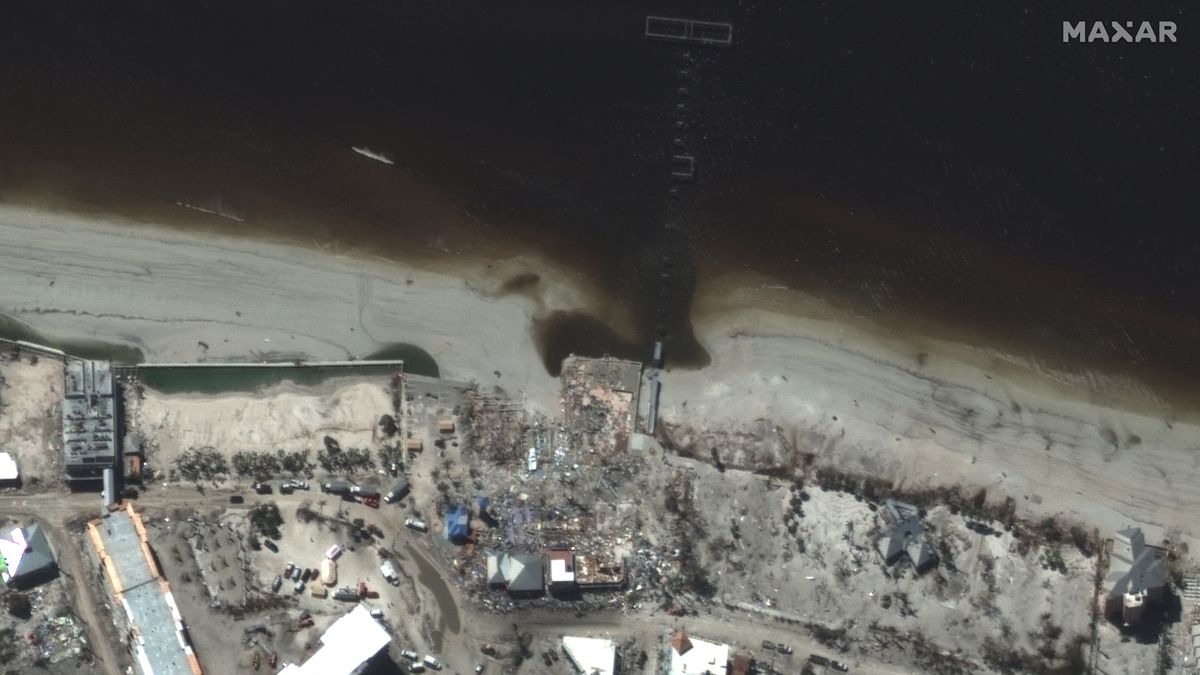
x,y
865,403
76,278
855,399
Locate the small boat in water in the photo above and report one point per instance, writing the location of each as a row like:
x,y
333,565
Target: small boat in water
x,y
377,156
216,208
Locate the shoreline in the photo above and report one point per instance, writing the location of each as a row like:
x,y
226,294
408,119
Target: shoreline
x,y
73,279
933,414
918,409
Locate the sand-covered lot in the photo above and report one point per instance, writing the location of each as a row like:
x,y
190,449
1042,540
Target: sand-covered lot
x,y
810,555
286,417
30,417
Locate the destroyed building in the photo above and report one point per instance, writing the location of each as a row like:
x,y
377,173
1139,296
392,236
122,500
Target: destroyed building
x,y
904,536
1137,577
90,420
597,572
25,558
600,405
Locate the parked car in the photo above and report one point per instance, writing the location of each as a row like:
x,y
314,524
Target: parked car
x,y
263,488
333,552
416,667
409,654
277,584
299,586
768,645
306,576
286,489
237,499
416,524
297,573
270,545
432,662
783,649
287,571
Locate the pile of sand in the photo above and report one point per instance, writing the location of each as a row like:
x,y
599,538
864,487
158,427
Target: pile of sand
x,y
289,420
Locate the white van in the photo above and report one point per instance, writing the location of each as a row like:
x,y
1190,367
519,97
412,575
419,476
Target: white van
x,y
388,570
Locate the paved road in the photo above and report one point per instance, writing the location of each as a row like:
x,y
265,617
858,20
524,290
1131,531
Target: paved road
x,y
54,509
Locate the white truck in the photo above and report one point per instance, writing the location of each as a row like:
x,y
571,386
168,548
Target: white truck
x,y
389,572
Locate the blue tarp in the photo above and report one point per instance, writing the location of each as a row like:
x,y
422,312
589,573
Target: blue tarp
x,y
458,524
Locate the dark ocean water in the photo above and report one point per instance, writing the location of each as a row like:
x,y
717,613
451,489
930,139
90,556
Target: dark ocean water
x,y
951,164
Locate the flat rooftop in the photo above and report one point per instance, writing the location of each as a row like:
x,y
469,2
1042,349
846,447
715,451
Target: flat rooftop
x,y
347,644
89,429
161,644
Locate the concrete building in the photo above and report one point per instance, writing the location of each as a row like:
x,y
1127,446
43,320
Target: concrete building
x,y
692,656
562,571
1137,577
591,656
10,475
348,646
26,559
904,536
153,627
91,426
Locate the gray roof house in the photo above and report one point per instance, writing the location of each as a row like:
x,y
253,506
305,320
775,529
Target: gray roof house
x,y
25,557
904,536
1137,575
522,574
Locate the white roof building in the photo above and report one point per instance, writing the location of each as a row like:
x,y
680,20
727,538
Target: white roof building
x,y
693,656
345,646
8,468
591,656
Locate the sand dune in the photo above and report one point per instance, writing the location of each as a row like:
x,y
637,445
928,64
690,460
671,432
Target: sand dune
x,y
858,400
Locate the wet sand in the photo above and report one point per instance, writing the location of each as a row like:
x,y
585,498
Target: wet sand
x,y
1103,450
188,296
